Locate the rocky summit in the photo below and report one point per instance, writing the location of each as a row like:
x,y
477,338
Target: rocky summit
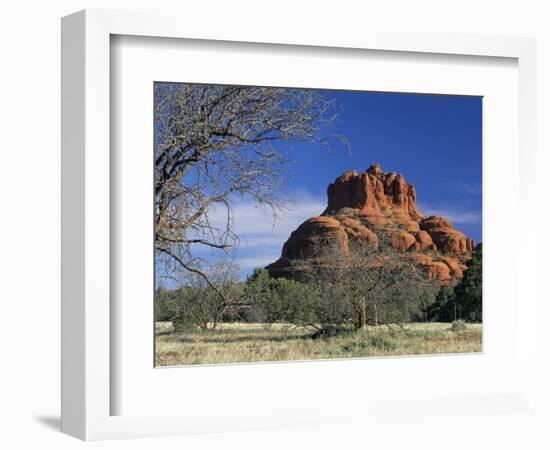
x,y
365,207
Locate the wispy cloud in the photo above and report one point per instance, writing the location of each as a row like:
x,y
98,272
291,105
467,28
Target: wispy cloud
x,y
467,188
262,234
456,216
246,265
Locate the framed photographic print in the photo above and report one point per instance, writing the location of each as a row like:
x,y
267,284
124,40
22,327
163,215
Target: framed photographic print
x,y
297,215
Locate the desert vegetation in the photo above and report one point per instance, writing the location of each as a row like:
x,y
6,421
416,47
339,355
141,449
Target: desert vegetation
x,y
341,305
240,342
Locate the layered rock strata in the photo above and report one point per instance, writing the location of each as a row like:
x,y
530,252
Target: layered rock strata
x,y
376,205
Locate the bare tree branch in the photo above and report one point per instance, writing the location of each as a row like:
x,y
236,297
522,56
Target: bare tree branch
x,y
214,144
194,270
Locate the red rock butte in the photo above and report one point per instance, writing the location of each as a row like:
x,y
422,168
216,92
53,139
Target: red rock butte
x,y
366,206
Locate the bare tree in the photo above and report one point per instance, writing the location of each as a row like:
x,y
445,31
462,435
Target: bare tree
x,y
362,284
384,287
326,271
215,143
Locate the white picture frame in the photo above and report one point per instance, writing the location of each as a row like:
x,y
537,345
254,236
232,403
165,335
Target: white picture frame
x,y
87,325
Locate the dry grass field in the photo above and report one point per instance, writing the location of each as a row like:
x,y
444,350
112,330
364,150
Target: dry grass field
x,y
239,342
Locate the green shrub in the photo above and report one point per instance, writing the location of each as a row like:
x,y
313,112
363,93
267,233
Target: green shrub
x,y
280,300
468,291
331,330
185,323
463,301
166,305
382,341
444,308
458,326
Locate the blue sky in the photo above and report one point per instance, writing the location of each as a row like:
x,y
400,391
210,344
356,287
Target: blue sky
x,y
435,141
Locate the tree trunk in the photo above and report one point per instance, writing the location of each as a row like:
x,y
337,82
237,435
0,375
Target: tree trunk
x,y
375,315
364,316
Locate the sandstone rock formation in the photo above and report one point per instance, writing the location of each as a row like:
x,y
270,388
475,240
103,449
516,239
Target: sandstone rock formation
x,y
373,204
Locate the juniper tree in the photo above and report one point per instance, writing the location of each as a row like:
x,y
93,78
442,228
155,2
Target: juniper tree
x,y
468,292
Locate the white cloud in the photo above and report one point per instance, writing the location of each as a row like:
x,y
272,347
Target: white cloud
x,y
248,264
262,234
456,216
467,188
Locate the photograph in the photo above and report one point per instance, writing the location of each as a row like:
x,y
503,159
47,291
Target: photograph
x,y
296,224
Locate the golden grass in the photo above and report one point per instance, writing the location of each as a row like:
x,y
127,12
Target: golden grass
x,y
239,342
